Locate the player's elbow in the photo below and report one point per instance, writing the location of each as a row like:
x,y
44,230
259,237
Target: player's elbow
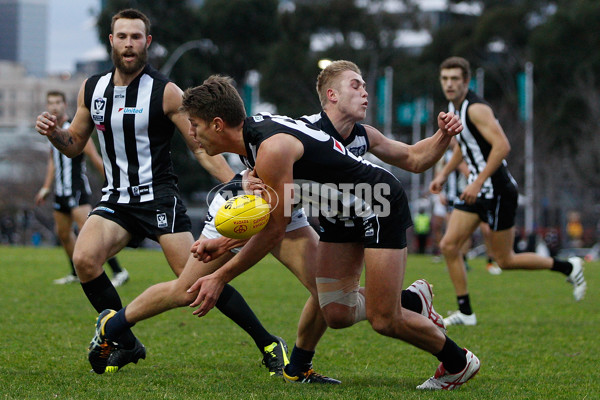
x,y
507,148
420,167
71,151
503,147
415,166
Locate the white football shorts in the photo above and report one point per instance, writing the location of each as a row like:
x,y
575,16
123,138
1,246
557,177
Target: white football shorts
x,y
298,220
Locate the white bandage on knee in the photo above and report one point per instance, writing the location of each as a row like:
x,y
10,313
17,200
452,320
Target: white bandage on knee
x,y
343,291
360,312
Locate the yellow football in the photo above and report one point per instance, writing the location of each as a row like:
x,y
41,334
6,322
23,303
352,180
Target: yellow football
x,y
242,216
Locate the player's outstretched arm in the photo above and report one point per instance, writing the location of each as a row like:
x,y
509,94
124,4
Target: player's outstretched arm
x,y
215,165
69,141
420,156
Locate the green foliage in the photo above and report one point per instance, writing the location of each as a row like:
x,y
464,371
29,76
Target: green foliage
x,y
569,68
533,340
242,30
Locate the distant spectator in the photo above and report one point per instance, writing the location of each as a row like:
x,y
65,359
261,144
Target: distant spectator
x,y
574,229
422,228
7,226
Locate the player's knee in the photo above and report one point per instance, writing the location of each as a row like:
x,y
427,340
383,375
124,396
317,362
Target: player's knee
x,y
448,247
504,261
381,323
178,294
338,316
341,302
87,265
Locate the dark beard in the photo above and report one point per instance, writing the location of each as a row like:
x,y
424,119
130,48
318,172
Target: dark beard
x,y
140,62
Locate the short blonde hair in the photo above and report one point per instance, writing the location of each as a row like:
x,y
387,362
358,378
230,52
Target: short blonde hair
x,y
328,76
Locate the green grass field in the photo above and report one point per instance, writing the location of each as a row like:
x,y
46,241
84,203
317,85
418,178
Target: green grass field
x,y
533,339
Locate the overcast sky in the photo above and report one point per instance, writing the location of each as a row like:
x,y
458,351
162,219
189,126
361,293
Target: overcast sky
x,y
71,33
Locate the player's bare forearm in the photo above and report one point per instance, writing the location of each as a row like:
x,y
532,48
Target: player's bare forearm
x,y
433,148
215,165
205,249
430,150
62,140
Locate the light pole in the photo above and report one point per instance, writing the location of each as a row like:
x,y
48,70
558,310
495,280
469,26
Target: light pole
x,y
529,171
202,44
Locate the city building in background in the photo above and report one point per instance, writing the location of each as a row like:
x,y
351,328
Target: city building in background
x,y
22,98
23,34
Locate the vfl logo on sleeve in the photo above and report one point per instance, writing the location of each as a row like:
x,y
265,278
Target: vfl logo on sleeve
x,y
98,108
161,220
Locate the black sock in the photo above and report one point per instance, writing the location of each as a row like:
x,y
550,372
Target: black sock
x,y
562,266
411,301
490,260
464,304
102,294
114,265
116,326
72,268
452,357
232,304
300,361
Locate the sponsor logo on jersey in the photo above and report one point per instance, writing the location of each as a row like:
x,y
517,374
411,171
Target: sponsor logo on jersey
x,y
358,151
119,96
131,110
337,146
140,190
258,118
98,108
161,220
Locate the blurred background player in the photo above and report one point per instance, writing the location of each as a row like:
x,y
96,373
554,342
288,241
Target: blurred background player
x,y
455,184
490,196
71,191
